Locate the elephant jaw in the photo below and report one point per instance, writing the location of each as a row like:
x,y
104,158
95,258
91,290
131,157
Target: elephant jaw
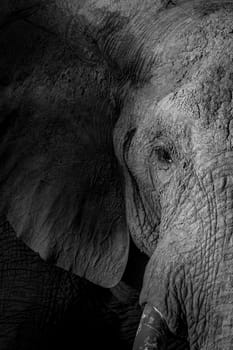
x,y
152,331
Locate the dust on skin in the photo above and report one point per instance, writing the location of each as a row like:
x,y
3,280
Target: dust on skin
x,y
198,115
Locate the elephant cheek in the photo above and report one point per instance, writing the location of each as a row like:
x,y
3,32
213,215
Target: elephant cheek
x,y
152,330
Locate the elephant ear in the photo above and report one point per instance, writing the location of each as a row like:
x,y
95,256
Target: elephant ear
x,y
67,204
59,178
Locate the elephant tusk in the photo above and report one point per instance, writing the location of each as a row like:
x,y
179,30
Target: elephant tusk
x,y
152,330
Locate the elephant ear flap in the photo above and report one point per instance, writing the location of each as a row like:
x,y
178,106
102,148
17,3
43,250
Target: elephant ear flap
x,y
104,245
75,217
96,244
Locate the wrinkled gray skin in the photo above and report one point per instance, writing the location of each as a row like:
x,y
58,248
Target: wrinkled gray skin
x,y
171,69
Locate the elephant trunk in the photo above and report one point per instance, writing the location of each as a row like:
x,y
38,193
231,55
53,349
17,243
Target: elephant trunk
x,y
220,264
189,278
152,330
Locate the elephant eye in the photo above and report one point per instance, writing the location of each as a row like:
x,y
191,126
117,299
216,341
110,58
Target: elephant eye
x,y
164,158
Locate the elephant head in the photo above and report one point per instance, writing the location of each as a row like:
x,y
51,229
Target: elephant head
x,y
174,143
172,68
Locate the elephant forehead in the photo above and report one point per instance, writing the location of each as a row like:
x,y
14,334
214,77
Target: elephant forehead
x,y
199,115
208,98
193,61
192,78
187,46
205,101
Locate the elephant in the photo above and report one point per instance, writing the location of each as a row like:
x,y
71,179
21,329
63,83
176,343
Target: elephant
x,y
154,124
